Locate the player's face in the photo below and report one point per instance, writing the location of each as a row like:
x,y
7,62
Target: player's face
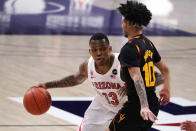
x,y
124,27
100,51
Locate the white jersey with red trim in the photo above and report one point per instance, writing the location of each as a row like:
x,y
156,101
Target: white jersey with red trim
x,y
107,85
107,102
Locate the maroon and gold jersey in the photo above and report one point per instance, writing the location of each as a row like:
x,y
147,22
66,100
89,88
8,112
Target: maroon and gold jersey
x,y
139,52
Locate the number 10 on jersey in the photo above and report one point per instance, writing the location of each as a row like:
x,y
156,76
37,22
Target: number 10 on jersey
x,y
148,68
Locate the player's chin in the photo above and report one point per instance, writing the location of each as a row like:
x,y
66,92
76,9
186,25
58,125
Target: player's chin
x,y
100,63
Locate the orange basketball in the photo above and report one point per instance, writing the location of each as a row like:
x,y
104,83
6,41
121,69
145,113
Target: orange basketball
x,y
37,100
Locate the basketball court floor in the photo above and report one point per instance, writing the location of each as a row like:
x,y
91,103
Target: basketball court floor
x,y
27,60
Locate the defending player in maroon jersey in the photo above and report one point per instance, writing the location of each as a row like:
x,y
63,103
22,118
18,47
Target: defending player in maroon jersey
x,y
137,58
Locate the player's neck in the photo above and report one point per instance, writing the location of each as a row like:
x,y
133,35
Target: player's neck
x,y
134,33
106,67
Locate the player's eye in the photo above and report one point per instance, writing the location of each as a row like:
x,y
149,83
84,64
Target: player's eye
x,y
103,49
94,50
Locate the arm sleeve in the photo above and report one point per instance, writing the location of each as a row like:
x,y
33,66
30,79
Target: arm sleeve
x,y
129,56
157,57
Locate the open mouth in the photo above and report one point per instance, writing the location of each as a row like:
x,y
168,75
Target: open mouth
x,y
99,60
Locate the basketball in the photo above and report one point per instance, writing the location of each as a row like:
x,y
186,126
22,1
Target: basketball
x,y
37,100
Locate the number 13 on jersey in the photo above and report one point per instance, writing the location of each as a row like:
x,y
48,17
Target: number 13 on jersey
x,y
113,96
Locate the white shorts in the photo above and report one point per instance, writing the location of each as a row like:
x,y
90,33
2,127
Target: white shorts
x,y
96,117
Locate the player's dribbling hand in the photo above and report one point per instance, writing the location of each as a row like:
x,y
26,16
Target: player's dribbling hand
x,y
42,85
164,96
146,114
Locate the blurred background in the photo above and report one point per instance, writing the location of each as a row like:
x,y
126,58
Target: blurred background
x,y
84,17
44,40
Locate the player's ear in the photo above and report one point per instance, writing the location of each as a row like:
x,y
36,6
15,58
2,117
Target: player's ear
x,y
128,24
110,48
89,50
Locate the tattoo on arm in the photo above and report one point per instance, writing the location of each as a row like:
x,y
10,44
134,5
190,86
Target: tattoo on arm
x,y
65,82
140,88
83,75
71,80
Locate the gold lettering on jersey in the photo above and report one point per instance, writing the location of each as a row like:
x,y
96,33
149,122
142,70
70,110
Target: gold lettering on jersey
x,y
148,53
106,85
148,68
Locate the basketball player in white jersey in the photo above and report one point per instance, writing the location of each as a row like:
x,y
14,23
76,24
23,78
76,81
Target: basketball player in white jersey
x,y
103,70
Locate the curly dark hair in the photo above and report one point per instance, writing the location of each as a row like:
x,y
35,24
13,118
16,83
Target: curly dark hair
x,y
136,13
99,36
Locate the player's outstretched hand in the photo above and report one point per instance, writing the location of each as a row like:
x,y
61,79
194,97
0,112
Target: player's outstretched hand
x,y
146,114
188,126
164,96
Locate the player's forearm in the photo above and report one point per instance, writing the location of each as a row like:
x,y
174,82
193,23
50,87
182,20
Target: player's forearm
x,y
140,88
65,82
166,75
